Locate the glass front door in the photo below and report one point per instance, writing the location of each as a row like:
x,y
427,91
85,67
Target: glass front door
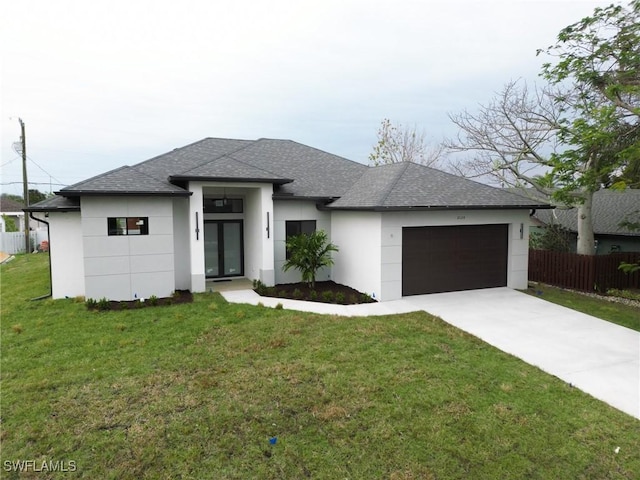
x,y
223,252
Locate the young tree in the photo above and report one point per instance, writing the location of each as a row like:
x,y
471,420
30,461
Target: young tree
x,y
308,253
403,144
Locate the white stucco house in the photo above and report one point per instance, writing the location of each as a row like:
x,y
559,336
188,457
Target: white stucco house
x,y
223,208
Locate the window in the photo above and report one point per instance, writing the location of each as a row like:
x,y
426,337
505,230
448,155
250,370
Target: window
x,y
296,227
128,225
223,205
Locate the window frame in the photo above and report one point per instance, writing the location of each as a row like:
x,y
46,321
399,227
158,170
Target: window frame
x,y
301,226
124,226
223,205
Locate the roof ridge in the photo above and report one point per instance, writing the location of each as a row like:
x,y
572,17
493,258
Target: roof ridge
x,y
318,150
402,170
250,142
222,155
253,166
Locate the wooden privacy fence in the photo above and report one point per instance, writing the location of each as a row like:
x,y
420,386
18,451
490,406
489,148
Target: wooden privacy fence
x,y
597,273
13,242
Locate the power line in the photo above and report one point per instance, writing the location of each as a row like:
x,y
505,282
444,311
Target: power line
x,y
35,183
9,162
34,162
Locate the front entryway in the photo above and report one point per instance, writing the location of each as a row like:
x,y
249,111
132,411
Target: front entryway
x,y
223,248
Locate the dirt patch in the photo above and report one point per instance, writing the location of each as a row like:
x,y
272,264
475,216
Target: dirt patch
x,y
325,292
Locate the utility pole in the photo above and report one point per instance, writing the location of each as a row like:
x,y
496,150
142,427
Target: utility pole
x,y
25,186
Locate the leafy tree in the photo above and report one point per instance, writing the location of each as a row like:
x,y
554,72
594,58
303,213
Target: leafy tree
x,y
554,237
9,224
403,144
598,73
308,253
35,196
582,128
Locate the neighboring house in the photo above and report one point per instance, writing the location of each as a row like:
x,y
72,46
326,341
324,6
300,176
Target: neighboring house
x,y
222,208
14,211
610,209
11,210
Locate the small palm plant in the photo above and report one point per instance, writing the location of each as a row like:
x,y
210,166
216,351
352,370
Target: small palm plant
x,y
308,253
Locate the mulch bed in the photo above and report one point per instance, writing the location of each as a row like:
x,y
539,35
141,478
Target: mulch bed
x,y
325,292
180,296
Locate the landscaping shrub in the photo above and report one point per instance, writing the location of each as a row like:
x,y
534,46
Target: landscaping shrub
x,y
614,292
103,304
308,253
328,296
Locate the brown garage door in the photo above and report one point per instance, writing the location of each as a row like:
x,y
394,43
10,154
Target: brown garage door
x,y
447,259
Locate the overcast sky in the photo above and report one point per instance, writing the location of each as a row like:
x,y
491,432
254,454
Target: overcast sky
x,y
101,84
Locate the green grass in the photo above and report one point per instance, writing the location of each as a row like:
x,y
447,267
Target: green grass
x,y
625,315
198,390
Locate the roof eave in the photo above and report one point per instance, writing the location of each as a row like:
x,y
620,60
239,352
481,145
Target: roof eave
x,y
51,209
310,198
438,207
114,193
192,178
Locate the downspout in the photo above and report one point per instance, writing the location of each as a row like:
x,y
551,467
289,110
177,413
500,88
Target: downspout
x,y
50,294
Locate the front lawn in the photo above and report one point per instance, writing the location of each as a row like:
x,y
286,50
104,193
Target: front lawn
x,y
625,315
216,390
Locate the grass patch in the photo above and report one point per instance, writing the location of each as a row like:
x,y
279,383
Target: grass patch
x,y
216,390
625,315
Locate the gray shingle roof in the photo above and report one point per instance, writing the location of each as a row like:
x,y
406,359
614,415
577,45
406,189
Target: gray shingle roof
x,y
307,171
8,205
299,171
609,209
316,173
57,203
228,168
408,185
189,157
124,181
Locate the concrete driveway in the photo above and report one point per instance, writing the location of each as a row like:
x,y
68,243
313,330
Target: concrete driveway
x,y
598,357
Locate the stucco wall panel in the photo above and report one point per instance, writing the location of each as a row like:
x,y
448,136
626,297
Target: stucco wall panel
x,y
142,245
94,226
151,263
358,262
113,263
181,245
286,210
67,263
111,287
104,246
145,285
95,266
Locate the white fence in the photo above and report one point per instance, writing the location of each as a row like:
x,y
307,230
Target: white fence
x,y
13,242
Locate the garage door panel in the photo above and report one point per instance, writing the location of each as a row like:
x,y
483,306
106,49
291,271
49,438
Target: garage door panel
x,y
444,259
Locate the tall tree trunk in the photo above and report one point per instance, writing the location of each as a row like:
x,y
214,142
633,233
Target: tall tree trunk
x,y
586,238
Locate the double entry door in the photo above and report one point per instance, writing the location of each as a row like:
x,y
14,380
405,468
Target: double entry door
x,y
223,248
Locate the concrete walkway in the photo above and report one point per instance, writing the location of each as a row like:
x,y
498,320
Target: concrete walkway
x,y
598,357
